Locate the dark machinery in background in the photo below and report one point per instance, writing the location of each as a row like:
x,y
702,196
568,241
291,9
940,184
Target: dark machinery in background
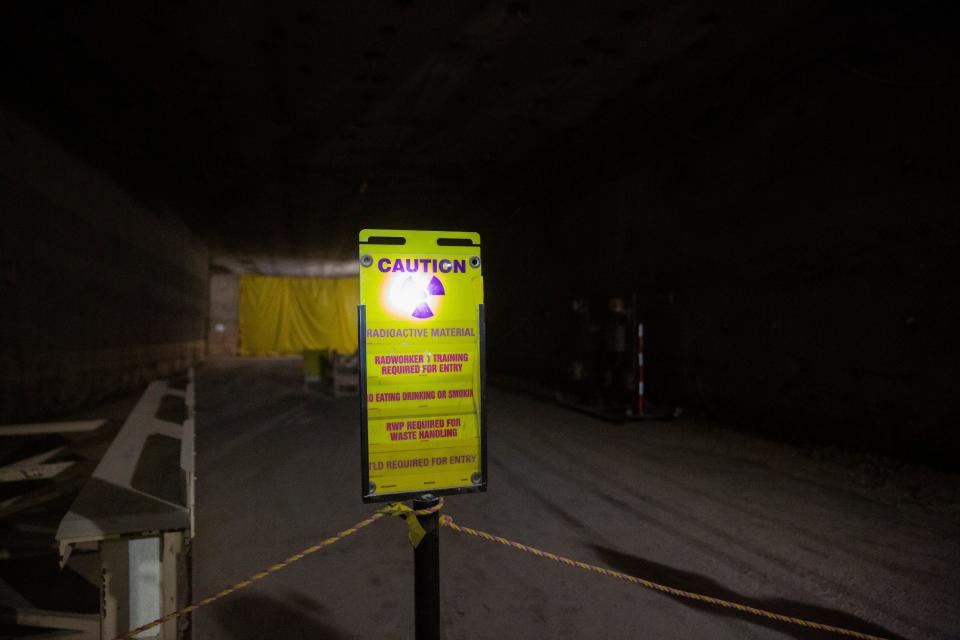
x,y
605,370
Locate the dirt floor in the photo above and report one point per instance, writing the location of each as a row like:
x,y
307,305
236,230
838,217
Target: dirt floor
x,y
843,539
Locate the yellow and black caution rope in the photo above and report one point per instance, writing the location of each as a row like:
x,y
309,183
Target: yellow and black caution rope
x,y
415,533
448,522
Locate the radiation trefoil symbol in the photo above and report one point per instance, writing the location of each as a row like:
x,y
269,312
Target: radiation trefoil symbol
x,y
413,294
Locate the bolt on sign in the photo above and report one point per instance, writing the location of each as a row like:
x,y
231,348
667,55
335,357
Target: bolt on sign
x,y
422,364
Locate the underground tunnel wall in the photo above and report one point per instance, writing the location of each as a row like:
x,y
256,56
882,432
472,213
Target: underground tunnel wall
x,y
99,294
795,257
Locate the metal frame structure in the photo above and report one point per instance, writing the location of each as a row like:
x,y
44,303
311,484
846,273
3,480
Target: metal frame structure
x,y
116,509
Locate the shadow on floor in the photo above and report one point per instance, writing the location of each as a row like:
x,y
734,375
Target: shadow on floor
x,y
700,584
259,617
172,409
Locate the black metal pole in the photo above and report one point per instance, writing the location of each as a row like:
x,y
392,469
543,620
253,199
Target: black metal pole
x,y
426,570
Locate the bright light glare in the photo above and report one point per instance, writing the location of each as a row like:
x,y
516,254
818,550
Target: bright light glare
x,y
407,291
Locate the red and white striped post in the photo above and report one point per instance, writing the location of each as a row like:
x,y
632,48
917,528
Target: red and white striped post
x,y
639,368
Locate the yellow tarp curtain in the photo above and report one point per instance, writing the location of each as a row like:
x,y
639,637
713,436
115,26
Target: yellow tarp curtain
x,y
289,315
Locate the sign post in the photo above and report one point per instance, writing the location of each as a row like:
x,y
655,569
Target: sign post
x,y
422,381
426,573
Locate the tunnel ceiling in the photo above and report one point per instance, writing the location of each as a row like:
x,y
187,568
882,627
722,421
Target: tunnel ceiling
x,y
224,111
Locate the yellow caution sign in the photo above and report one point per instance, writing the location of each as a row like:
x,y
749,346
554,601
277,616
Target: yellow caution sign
x,y
422,363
